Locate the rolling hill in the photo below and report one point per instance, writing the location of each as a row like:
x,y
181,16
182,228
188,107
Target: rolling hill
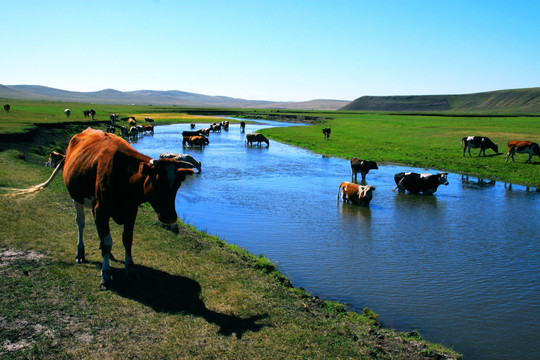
x,y
516,101
155,97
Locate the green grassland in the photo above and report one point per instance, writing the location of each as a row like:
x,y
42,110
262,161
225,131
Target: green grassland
x,y
422,141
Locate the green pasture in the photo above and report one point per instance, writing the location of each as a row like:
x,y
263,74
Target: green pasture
x,y
422,141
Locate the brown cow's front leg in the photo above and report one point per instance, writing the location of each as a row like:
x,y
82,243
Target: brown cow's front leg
x,y
106,243
127,239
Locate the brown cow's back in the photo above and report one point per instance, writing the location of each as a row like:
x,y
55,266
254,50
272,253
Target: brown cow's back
x,y
90,157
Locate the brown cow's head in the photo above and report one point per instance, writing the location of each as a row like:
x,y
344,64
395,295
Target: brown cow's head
x,y
163,178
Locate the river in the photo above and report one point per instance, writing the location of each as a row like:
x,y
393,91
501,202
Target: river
x,y
462,266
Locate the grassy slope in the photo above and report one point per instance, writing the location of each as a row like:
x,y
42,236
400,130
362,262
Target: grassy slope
x,y
196,296
423,141
515,101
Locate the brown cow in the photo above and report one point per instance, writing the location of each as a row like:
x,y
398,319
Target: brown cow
x,y
195,141
104,172
523,147
356,194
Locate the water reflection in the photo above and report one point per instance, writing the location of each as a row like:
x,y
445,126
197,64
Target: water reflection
x,y
472,182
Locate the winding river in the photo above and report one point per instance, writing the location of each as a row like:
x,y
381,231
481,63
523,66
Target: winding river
x,y
462,266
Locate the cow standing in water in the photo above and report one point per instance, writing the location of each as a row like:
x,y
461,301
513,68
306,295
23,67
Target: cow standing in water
x,y
362,167
104,172
481,142
420,183
355,194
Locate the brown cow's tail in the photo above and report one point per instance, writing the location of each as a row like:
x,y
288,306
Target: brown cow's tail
x,y
39,187
338,191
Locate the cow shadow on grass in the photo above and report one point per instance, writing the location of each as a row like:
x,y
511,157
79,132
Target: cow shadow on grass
x,y
175,294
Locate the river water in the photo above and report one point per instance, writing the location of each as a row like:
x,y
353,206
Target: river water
x,y
462,266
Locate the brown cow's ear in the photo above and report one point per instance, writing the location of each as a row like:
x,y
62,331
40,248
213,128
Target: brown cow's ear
x,y
182,173
146,168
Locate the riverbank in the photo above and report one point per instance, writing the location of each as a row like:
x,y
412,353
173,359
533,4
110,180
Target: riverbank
x,y
196,297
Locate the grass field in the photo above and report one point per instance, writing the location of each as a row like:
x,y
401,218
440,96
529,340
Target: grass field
x,y
423,141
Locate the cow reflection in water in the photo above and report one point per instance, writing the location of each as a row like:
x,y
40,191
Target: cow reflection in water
x,y
476,183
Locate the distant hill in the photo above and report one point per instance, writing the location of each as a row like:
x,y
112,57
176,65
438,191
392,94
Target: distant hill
x,y
517,101
155,97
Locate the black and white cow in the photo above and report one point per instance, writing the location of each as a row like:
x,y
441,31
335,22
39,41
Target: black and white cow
x,y
86,113
326,132
481,142
92,113
362,167
419,183
67,112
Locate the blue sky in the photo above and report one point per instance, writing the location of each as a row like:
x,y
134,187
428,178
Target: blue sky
x,y
273,50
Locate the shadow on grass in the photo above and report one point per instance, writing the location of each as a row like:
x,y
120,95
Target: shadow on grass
x,y
175,294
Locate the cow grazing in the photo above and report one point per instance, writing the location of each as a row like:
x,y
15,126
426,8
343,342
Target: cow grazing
x,y
183,157
195,141
326,132
355,194
67,112
54,159
132,122
481,142
522,147
7,107
92,113
362,167
147,119
420,183
104,172
258,138
86,113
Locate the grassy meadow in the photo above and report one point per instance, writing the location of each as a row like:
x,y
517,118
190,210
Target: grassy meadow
x,y
423,141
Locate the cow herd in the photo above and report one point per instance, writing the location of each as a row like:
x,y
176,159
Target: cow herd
x,y
200,138
514,146
425,184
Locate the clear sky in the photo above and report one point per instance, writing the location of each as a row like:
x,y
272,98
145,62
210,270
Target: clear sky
x,y
291,50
